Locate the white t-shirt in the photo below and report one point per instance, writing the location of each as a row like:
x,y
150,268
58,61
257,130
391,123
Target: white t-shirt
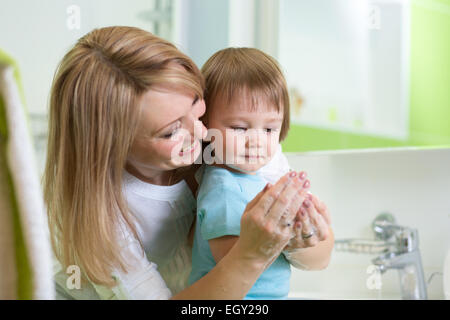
x,y
164,215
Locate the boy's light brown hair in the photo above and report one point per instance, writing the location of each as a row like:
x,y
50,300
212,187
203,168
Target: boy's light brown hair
x,y
234,72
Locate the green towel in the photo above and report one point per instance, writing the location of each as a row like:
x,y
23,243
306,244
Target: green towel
x,y
22,227
23,271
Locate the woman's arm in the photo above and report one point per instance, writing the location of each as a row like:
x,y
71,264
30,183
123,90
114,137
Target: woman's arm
x,y
221,246
263,235
312,258
231,279
313,253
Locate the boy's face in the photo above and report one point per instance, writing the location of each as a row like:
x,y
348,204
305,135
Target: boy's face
x,y
250,134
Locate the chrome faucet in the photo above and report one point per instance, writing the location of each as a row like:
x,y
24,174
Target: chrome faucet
x,y
403,255
398,247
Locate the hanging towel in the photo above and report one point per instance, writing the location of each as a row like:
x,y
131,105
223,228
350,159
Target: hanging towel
x,y
25,254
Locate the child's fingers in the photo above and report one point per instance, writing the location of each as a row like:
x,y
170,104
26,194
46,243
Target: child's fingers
x,y
321,208
300,198
308,233
317,221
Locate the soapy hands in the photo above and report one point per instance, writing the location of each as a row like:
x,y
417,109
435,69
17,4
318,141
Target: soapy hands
x,y
311,224
282,217
268,221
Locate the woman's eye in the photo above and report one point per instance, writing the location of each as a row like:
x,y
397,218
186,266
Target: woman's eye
x,y
170,135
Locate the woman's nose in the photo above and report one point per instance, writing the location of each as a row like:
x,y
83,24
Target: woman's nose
x,y
200,130
196,128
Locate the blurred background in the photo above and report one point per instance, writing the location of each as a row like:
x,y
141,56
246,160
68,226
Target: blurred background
x,y
369,84
361,74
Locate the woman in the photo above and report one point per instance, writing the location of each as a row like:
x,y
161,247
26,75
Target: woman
x,y
120,205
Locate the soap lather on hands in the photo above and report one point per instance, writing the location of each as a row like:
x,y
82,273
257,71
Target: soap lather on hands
x,y
312,221
312,238
313,215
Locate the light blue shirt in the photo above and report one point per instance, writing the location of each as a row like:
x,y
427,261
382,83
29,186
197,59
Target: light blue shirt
x,y
221,201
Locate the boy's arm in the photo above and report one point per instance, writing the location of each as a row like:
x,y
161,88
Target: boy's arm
x,y
314,258
220,246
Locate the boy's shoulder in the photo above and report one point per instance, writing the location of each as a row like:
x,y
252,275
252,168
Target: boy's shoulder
x,y
220,188
216,177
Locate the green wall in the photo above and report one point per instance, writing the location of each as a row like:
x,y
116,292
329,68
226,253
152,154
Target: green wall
x,y
429,118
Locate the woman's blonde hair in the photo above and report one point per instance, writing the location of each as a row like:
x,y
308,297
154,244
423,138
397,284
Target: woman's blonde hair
x,y
234,72
92,123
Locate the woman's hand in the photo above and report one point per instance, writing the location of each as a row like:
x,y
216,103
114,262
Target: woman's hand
x,y
268,221
312,224
313,242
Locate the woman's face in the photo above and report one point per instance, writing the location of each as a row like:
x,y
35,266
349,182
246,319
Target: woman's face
x,y
169,131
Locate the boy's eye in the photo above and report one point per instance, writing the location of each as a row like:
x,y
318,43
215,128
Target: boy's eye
x,y
239,129
270,130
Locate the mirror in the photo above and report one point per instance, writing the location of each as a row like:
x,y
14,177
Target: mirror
x,y
347,65
361,74
366,74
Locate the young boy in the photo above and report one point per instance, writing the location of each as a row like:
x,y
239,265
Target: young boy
x,y
248,111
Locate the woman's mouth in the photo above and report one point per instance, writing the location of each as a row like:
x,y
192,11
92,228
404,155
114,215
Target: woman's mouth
x,y
189,149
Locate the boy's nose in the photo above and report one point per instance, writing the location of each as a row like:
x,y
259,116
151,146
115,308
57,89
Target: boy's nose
x,y
255,139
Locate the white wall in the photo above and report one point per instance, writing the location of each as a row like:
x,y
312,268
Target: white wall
x,y
413,185
201,27
36,35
